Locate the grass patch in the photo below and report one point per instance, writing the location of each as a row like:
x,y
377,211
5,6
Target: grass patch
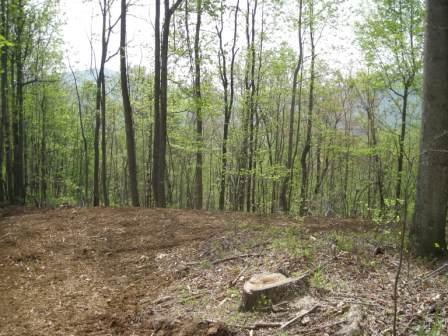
x,y
288,241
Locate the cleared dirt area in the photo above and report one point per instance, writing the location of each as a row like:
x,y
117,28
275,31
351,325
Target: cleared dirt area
x,y
176,272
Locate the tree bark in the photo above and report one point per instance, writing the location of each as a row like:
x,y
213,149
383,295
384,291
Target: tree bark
x,y
160,102
18,168
401,141
158,184
198,198
3,96
428,230
228,101
307,146
286,185
127,110
84,139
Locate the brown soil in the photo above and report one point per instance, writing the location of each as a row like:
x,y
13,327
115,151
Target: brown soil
x,y
164,272
86,271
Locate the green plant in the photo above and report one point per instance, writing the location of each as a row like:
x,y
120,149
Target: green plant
x,y
319,280
436,329
263,301
289,242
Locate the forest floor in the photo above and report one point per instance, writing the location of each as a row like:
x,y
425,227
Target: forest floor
x,y
172,272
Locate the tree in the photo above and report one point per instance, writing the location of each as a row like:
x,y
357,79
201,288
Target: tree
x,y
160,101
100,115
228,99
127,110
3,95
427,234
285,197
198,192
398,59
309,123
83,134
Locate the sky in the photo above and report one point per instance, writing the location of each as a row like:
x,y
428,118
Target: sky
x,y
82,21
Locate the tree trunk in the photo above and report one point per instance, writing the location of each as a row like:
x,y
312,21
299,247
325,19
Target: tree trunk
x,y
228,101
307,146
198,190
103,143
7,186
401,140
160,102
18,168
3,96
127,110
84,139
286,185
43,153
158,184
428,230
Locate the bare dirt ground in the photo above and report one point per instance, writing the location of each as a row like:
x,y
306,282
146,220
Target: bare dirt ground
x,y
177,272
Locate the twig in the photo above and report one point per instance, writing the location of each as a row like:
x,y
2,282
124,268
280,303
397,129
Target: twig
x,y
162,300
311,331
5,235
298,317
262,325
234,281
436,271
218,261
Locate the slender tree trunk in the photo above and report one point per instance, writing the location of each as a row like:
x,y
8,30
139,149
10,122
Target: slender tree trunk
x,y
158,184
307,146
18,168
286,185
104,184
100,115
252,88
96,146
428,230
401,141
198,102
127,109
83,135
3,96
43,153
7,185
160,102
228,101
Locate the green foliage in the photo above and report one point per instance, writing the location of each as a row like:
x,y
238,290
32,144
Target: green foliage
x,y
318,280
436,329
4,42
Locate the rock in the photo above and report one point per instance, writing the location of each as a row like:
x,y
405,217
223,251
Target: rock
x,y
354,318
265,289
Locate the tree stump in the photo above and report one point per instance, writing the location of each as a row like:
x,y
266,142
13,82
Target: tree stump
x,y
265,289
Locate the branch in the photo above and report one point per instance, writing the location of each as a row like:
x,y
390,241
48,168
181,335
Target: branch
x,y
36,80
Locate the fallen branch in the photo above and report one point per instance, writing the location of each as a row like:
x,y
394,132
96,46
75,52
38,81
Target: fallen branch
x,y
162,300
234,281
218,261
329,325
264,325
435,272
298,317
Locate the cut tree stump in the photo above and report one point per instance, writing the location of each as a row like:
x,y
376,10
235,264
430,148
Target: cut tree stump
x,y
263,290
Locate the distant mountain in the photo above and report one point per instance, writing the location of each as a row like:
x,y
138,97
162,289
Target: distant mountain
x,y
87,75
